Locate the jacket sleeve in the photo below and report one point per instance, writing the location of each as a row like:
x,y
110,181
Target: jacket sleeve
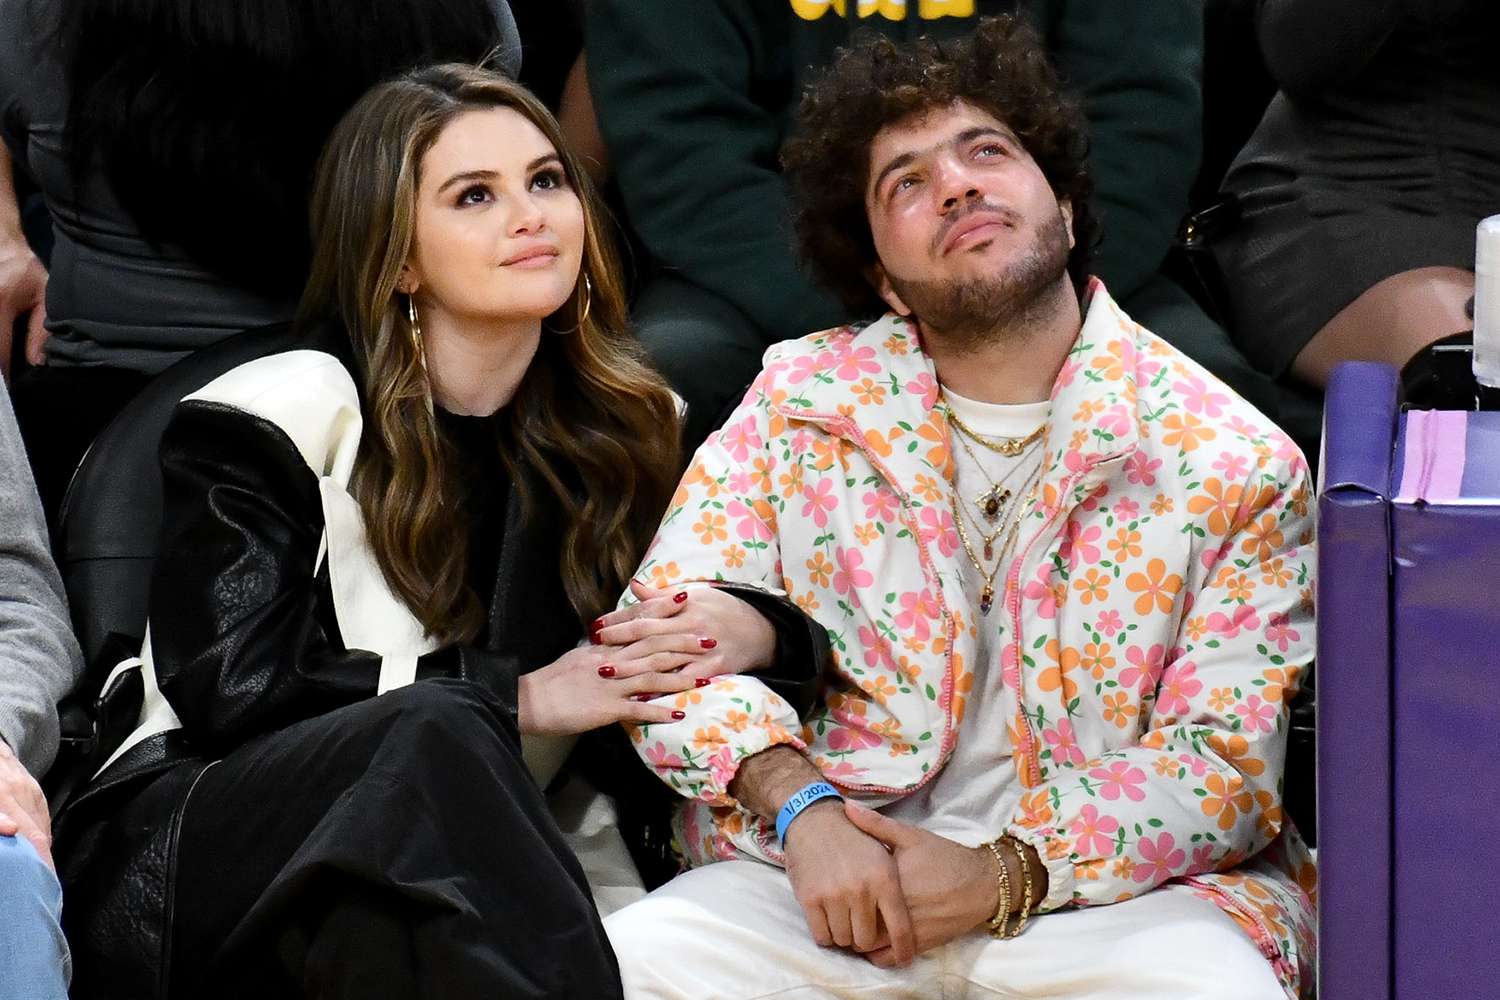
x,y
1138,69
694,128
243,640
721,528
1201,789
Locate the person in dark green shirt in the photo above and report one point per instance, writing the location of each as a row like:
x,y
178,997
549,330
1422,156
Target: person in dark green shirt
x,y
694,100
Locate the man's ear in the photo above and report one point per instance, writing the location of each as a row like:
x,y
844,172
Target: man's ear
x,y
1066,208
875,275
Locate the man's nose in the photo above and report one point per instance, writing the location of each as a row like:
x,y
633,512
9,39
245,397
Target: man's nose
x,y
958,186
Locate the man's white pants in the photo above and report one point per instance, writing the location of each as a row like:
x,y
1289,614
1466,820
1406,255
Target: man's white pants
x,y
733,931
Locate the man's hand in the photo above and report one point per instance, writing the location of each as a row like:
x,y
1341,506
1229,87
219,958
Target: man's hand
x,y
847,884
23,809
950,889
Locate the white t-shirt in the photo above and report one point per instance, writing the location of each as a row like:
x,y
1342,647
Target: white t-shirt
x,y
975,796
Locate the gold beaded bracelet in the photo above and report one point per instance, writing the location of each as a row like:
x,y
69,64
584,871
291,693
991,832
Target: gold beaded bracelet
x,y
1002,912
1026,886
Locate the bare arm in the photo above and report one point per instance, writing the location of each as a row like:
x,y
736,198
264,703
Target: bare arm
x,y
23,280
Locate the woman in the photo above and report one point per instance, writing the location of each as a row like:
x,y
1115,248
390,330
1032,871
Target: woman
x,y
136,119
426,502
1361,188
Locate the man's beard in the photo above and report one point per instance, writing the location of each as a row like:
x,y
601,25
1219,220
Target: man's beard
x,y
969,313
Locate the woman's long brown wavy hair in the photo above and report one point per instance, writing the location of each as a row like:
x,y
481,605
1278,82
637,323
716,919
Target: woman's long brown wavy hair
x,y
590,420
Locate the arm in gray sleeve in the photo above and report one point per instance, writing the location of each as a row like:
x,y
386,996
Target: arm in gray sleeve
x,y
39,659
1310,45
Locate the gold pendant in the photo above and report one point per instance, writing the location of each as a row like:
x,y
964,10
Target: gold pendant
x,y
990,501
986,598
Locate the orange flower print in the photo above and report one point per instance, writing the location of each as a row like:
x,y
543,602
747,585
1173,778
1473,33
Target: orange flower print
x,y
876,442
665,575
733,556
869,392
760,474
1220,502
686,698
1036,810
1226,799
1161,505
935,432
709,739
1118,710
1097,659
1262,538
928,488
1065,660
1197,627
791,482
1092,586
1156,586
1125,545
1220,698
808,602
895,344
867,533
1234,750
1275,573
737,720
710,527
1185,431
1241,588
820,568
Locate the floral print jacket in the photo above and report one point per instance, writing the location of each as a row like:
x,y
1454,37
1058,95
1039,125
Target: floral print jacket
x,y
1157,612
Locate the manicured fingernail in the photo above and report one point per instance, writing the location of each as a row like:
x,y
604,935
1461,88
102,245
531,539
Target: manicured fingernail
x,y
679,715
702,682
594,638
643,697
708,643
679,597
597,625
607,670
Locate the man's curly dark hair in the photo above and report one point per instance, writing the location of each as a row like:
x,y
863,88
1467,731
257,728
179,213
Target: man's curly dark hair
x,y
1001,67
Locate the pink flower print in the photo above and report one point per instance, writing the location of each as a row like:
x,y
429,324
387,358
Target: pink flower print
x,y
804,367
1066,374
844,739
661,758
849,574
1197,766
925,387
917,612
1120,778
802,442
1243,428
1109,623
1244,618
937,526
1092,832
741,438
820,501
1145,667
1280,632
1116,420
842,771
1148,370
1160,858
1044,592
1127,509
1078,545
880,504
1198,398
1094,499
1178,684
1256,715
1213,556
739,482
1203,858
876,646
1233,466
1141,470
722,766
1075,460
751,525
853,364
1064,744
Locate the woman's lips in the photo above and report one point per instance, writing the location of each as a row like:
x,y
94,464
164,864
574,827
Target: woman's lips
x,y
532,257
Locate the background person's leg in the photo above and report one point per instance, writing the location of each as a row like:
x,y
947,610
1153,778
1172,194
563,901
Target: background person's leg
x,y
707,348
33,953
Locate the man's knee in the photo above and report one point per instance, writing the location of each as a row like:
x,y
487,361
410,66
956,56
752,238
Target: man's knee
x,y
25,880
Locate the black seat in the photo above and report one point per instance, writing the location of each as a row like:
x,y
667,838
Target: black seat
x,y
111,518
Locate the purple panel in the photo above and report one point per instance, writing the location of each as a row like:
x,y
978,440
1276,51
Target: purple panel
x,y
1447,773
1354,690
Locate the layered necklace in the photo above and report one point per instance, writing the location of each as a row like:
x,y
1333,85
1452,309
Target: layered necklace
x,y
1001,508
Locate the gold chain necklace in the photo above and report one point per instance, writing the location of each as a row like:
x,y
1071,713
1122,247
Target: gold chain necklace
x,y
993,499
987,594
1008,446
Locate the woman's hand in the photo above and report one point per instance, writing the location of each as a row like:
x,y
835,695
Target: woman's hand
x,y
712,631
593,686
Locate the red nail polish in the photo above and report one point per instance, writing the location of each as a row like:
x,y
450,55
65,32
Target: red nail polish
x,y
679,597
607,670
641,697
708,643
598,624
679,715
594,638
702,682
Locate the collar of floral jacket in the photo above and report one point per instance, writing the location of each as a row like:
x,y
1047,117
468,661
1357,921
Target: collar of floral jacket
x,y
903,426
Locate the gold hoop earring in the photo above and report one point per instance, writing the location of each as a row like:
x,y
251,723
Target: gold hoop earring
x,y
588,303
414,326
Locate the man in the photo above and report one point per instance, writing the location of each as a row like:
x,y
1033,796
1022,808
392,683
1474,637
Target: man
x,y
1066,572
694,103
39,663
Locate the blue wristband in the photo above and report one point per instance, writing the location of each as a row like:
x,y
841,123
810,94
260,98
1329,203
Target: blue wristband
x,y
800,801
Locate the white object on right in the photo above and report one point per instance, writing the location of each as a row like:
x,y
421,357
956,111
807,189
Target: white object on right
x,y
1487,302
